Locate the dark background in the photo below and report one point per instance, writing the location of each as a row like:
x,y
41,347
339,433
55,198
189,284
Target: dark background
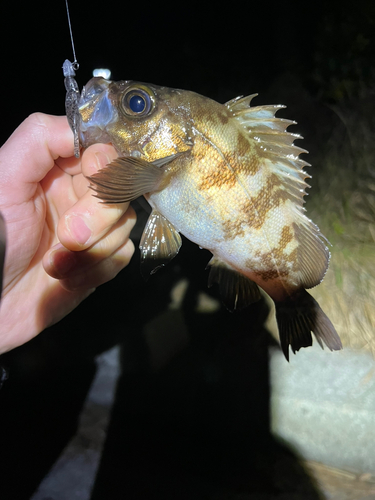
x,y
199,425
273,48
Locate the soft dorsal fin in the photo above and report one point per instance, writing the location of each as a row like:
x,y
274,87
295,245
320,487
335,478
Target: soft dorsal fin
x,y
275,146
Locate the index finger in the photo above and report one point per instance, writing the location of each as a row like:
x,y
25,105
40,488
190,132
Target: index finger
x,y
30,152
34,146
88,220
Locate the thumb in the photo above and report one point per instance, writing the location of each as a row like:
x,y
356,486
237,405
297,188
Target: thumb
x,y
30,152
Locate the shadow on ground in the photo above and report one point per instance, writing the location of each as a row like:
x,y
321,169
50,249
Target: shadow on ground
x,y
195,425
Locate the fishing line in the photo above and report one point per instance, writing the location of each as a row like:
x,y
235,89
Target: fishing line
x,y
72,92
75,63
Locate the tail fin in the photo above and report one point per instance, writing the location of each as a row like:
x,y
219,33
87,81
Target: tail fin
x,y
300,315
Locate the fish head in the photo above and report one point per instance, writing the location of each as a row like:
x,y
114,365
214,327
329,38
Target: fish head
x,y
139,119
95,112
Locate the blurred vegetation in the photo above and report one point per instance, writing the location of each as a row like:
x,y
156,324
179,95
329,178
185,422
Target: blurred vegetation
x,y
345,50
343,200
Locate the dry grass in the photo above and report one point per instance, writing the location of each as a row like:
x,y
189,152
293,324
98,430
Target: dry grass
x,y
342,203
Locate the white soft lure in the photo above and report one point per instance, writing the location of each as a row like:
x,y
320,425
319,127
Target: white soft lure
x,y
71,102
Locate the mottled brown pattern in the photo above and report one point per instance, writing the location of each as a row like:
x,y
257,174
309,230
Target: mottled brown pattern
x,y
234,161
243,145
275,264
217,178
211,121
286,237
272,274
243,159
276,261
233,228
223,118
254,211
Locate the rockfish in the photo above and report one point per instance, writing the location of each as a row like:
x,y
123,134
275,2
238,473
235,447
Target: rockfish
x,y
226,176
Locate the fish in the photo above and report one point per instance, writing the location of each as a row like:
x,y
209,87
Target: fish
x,y
226,176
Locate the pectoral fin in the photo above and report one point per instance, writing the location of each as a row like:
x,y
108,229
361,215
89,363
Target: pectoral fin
x,y
160,242
127,178
237,291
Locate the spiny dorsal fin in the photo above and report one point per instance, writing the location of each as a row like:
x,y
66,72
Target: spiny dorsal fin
x,y
274,143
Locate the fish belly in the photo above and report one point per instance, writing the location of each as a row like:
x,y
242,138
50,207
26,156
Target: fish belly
x,y
255,241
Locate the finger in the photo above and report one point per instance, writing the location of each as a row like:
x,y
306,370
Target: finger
x,y
61,263
102,272
30,153
88,220
74,166
2,250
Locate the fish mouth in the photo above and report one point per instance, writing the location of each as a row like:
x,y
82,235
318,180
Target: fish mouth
x,y
96,111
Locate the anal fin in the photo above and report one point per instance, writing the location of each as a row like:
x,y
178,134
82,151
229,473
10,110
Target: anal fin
x,y
237,291
160,242
298,317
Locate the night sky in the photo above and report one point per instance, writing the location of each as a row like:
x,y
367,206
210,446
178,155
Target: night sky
x,y
219,52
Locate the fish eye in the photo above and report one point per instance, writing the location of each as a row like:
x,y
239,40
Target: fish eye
x,y
138,101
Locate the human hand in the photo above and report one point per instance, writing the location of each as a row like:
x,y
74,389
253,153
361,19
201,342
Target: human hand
x,y
61,241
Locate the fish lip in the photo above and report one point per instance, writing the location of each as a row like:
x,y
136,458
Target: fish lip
x,y
92,89
96,111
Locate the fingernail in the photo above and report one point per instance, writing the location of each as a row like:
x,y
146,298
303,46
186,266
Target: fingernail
x,y
78,229
62,261
102,159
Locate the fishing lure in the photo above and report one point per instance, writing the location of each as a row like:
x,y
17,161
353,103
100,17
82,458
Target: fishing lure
x,y
71,102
